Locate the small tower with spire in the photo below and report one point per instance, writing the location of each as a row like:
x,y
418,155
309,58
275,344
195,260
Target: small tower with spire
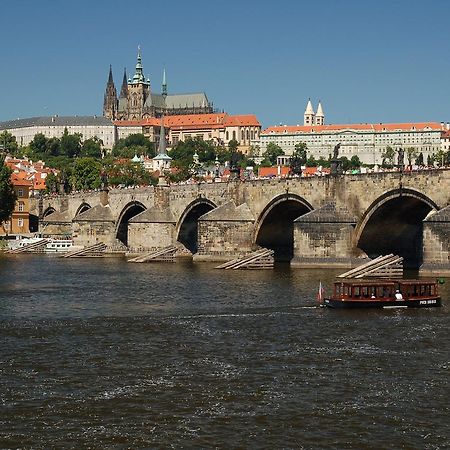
x,y
110,102
308,117
162,160
320,117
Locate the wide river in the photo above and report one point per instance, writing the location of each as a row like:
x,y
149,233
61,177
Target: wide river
x,y
100,353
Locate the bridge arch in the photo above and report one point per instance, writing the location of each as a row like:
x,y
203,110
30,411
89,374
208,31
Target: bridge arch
x,y
393,223
49,210
274,228
82,208
187,226
130,210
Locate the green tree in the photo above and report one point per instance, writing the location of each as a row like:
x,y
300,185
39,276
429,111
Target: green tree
x,y
272,152
346,164
39,145
7,194
233,145
92,148
419,159
134,144
8,143
355,162
70,144
86,174
128,174
298,158
52,182
411,154
300,151
388,157
53,147
311,161
441,158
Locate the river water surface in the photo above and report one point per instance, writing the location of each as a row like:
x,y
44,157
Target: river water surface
x,y
99,353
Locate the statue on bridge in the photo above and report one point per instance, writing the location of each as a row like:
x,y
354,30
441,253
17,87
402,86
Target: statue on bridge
x,y
400,159
104,179
336,163
336,151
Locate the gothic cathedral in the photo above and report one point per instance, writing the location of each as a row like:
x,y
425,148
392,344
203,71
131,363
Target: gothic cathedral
x,y
137,101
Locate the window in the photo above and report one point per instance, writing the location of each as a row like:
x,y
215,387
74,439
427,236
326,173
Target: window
x,y
21,206
20,222
20,192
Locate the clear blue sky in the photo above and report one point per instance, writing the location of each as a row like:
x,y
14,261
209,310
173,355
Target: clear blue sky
x,y
368,61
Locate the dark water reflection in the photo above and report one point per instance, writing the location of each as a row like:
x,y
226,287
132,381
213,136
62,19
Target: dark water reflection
x,y
104,354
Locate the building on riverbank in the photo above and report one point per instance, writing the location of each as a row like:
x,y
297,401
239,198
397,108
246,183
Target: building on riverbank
x,y
19,223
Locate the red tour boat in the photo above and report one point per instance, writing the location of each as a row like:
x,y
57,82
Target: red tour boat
x,y
383,294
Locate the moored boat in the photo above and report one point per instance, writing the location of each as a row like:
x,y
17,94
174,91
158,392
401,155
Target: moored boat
x,y
58,246
383,294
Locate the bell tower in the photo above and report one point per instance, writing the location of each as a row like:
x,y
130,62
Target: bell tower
x,y
138,91
308,117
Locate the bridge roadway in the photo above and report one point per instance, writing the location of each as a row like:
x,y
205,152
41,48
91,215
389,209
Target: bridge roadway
x,y
309,221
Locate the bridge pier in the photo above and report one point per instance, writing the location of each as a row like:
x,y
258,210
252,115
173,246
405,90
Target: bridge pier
x,y
225,233
323,238
152,229
95,225
436,243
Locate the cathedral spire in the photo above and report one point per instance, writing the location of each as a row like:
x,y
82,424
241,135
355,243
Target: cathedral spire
x,y
110,76
164,85
110,98
124,88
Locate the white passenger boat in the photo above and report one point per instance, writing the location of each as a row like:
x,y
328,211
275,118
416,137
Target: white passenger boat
x,y
58,246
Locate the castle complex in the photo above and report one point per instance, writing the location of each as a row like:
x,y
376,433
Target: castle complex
x,y
136,100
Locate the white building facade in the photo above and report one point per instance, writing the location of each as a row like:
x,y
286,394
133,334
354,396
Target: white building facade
x,y
367,141
24,130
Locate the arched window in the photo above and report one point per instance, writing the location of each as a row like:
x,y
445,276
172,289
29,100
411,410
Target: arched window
x,y
234,135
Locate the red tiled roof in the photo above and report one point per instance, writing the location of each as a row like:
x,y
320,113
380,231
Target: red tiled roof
x,y
195,121
242,120
273,171
356,126
19,179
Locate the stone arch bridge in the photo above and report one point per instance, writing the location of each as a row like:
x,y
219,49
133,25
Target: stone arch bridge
x,y
321,221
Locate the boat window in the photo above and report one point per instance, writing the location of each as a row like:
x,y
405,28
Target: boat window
x,y
356,291
346,291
